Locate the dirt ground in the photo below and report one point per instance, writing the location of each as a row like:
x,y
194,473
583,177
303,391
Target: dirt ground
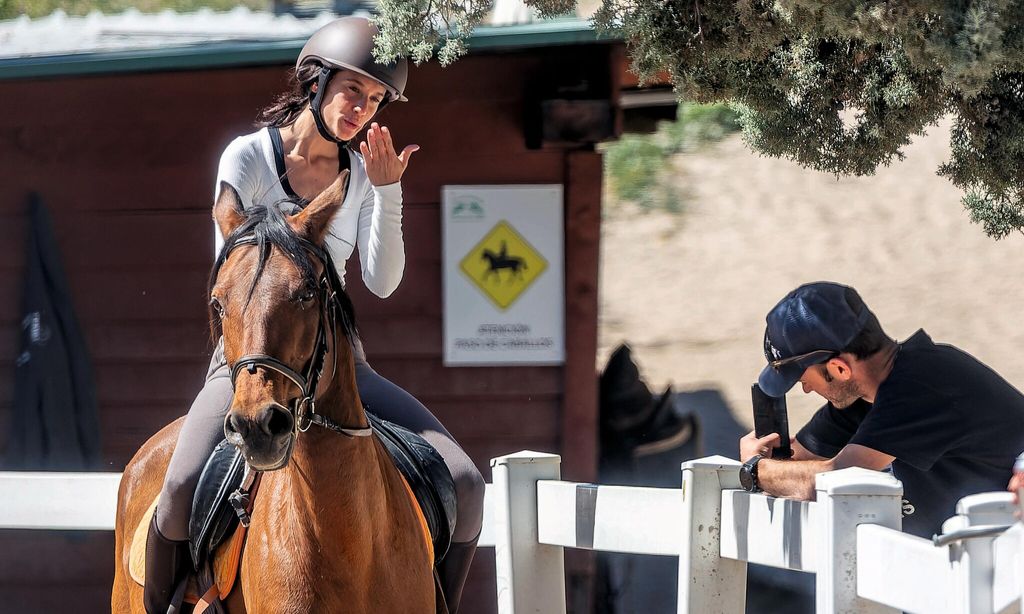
x,y
689,291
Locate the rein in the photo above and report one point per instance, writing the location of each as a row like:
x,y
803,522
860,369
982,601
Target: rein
x,y
303,409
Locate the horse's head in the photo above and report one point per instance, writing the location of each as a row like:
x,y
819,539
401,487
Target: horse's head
x,y
275,297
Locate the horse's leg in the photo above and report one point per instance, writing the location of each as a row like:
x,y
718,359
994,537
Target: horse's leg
x,y
140,484
119,598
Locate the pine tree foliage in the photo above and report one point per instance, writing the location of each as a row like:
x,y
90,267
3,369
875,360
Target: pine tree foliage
x,y
840,86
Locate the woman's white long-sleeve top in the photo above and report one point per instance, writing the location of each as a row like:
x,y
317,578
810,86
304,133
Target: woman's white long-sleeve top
x,y
370,217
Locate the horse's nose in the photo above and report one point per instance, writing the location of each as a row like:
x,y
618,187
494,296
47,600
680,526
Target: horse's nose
x,y
272,422
276,421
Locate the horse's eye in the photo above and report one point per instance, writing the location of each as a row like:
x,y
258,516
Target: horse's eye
x,y
217,306
307,295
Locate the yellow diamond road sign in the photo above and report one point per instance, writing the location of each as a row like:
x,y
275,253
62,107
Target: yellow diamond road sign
x,y
503,265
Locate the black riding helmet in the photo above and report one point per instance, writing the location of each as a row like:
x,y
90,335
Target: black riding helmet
x,y
348,43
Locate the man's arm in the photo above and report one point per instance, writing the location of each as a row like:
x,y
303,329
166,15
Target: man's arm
x,y
801,453
795,478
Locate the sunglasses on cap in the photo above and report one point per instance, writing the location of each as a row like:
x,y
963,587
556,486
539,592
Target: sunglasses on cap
x,y
820,355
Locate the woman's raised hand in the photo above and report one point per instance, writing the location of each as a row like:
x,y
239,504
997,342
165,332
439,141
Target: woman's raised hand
x,y
383,166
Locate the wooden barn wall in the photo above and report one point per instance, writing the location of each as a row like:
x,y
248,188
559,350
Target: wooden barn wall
x,y
126,165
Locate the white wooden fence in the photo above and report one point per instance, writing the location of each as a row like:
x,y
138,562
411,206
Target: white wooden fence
x,y
849,537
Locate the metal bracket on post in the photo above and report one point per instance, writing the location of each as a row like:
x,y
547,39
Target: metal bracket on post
x,y
530,575
850,497
708,584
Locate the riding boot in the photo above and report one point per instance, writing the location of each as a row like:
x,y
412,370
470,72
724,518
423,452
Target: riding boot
x,y
453,570
167,562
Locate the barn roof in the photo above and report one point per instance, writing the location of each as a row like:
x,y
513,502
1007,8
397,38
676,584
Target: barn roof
x,y
62,45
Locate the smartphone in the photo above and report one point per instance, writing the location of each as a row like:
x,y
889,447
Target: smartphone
x,y
770,417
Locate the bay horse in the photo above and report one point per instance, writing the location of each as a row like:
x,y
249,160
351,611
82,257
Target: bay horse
x,y
333,527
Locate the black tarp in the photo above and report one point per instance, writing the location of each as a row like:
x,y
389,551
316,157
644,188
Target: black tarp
x,y
54,419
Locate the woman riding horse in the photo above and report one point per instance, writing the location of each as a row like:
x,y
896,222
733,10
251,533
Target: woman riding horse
x,y
303,146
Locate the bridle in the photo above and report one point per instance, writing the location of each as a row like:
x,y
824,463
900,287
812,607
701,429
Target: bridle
x,y
303,410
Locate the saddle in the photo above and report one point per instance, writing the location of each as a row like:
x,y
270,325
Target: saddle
x,y
634,422
222,504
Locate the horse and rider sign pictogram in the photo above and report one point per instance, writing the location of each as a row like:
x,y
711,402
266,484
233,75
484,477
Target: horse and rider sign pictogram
x,y
503,264
504,294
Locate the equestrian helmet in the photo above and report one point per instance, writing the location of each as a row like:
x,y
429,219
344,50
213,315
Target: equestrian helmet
x,y
348,43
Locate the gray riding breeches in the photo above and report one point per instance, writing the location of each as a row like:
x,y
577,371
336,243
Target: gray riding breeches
x,y
204,429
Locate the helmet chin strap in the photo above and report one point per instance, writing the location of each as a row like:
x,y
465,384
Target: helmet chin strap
x,y
316,100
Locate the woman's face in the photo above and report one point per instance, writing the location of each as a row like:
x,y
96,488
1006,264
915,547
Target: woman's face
x,y
350,101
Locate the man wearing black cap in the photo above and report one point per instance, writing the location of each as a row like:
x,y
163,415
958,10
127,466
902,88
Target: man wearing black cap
x,y
947,424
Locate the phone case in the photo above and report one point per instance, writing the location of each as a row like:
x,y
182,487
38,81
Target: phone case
x,y
770,417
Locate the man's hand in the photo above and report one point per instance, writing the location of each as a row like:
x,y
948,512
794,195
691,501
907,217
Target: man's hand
x,y
1016,483
750,445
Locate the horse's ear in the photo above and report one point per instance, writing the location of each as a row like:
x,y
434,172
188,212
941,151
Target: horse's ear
x,y
313,222
227,211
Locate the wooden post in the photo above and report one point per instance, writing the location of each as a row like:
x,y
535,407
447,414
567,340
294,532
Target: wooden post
x,y
977,561
530,575
1020,560
850,497
579,433
708,584
582,243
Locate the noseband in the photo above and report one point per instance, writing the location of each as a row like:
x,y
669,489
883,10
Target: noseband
x,y
303,410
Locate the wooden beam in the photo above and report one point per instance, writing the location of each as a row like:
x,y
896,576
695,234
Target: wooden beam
x,y
582,251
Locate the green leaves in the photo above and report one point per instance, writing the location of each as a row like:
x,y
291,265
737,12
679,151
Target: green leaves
x,y
988,155
634,164
837,85
639,168
415,28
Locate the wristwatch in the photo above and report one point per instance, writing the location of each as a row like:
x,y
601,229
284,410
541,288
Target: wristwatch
x,y
748,474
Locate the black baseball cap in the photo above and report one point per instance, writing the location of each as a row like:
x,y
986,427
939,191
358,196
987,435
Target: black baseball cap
x,y
811,325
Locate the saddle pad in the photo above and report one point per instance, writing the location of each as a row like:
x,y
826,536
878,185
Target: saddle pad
x,y
226,558
426,475
423,520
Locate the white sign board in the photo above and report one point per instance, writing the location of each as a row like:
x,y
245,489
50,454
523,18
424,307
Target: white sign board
x,y
504,290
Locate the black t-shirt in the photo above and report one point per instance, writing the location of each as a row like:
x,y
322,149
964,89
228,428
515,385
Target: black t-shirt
x,y
953,425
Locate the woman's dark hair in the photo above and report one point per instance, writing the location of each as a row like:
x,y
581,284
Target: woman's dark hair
x,y
871,338
286,109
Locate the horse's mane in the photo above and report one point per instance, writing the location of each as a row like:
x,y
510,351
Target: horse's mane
x,y
267,227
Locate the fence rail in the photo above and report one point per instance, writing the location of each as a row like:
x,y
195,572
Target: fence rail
x,y
849,537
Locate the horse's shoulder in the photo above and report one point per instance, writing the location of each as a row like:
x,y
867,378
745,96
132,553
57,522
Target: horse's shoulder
x,y
153,457
161,443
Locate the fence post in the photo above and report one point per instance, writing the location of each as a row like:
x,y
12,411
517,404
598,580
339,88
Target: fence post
x,y
708,584
847,498
1020,559
977,560
530,576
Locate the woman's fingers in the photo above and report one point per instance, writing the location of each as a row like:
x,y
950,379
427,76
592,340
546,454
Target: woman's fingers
x,y
377,141
407,153
371,139
389,146
382,163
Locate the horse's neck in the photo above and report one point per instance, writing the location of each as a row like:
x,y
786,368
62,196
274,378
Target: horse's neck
x,y
339,399
329,527
332,477
337,465
315,519
334,485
